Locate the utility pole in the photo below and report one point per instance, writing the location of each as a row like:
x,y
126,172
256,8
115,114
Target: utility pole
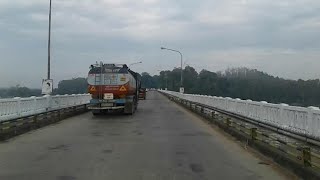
x,y
181,75
49,41
47,84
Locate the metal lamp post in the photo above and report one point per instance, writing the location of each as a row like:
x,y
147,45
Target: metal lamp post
x,y
49,41
181,78
47,84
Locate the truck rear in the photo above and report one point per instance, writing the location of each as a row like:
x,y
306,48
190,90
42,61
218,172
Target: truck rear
x,y
113,87
142,93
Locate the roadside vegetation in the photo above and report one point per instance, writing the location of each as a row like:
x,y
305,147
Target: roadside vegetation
x,y
240,83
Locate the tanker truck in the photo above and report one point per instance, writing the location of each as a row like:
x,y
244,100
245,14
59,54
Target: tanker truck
x,y
113,87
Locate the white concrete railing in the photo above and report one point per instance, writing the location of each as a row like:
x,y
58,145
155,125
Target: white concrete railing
x,y
294,119
20,107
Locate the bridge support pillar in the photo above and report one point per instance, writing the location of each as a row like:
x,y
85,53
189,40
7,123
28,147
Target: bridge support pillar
x,y
228,122
253,133
306,156
213,115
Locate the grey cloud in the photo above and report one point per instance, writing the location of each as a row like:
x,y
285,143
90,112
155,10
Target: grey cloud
x,y
212,34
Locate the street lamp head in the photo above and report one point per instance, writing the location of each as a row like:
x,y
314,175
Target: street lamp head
x,y
135,63
163,48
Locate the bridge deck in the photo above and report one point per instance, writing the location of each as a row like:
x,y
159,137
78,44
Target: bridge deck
x,y
161,141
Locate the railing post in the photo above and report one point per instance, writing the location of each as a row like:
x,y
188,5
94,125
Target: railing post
x,y
73,97
282,117
34,108
311,126
59,101
48,98
18,100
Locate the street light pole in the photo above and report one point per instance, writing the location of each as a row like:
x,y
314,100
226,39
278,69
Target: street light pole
x,y
47,84
49,41
181,75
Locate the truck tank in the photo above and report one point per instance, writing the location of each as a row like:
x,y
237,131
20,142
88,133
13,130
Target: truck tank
x,y
113,86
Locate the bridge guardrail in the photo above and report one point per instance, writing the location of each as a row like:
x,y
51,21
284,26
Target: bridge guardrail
x,y
22,107
296,154
298,120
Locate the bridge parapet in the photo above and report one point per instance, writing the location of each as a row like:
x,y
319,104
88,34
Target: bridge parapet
x,y
20,107
300,120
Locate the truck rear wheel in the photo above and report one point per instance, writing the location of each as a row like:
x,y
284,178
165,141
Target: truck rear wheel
x,y
129,108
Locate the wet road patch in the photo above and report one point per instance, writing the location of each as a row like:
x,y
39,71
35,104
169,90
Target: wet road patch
x,y
180,153
62,147
196,134
66,178
114,134
97,134
137,132
196,168
107,151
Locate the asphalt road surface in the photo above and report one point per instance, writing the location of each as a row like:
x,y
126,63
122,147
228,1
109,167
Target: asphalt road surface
x,y
161,141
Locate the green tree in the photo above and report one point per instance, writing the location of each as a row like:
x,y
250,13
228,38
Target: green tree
x,y
191,76
72,86
148,81
18,91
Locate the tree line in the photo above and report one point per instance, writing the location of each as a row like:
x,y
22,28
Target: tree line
x,y
243,83
18,91
240,83
70,86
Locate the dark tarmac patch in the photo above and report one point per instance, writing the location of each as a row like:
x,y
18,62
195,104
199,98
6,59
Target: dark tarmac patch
x,y
96,134
41,157
59,147
196,134
188,134
102,160
180,153
107,151
114,134
263,163
125,122
66,178
196,168
137,132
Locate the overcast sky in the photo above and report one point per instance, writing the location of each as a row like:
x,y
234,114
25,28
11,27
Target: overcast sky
x,y
279,37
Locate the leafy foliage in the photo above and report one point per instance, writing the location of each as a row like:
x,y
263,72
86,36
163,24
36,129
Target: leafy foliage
x,y
149,81
240,83
244,83
18,91
72,86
